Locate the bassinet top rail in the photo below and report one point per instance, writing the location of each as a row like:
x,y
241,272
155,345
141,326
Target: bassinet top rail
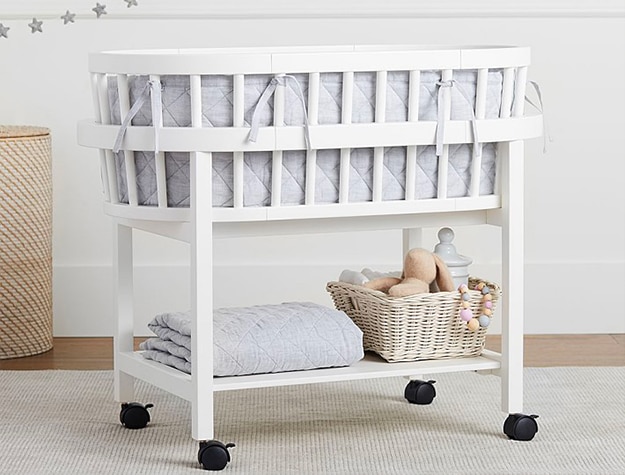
x,y
390,106
303,59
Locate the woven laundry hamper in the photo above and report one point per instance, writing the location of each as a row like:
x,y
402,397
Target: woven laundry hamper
x,y
25,241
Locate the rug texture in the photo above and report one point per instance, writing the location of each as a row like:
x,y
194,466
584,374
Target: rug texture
x,y
66,422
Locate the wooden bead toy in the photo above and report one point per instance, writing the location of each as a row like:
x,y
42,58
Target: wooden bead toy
x,y
487,304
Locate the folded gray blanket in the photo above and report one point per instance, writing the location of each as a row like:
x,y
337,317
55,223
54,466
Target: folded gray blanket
x,y
261,339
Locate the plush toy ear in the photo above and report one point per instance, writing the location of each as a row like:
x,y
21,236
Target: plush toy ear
x,y
444,280
382,284
409,287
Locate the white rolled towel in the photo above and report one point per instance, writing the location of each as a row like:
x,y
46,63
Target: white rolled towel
x,y
353,277
364,276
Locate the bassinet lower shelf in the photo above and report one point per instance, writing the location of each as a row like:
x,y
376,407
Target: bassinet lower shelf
x,y
371,366
465,109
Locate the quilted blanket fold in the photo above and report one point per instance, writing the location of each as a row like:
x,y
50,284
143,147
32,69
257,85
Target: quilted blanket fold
x,y
261,339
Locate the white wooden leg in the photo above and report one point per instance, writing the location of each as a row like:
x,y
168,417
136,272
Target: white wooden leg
x,y
124,329
202,296
511,167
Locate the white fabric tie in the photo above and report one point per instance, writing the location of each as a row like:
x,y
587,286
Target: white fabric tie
x,y
440,127
279,80
152,89
540,108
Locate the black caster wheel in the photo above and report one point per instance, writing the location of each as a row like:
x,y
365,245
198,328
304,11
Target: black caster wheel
x,y
135,415
520,426
420,392
213,455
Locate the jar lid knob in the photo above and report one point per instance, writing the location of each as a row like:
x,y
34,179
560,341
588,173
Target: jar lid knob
x,y
447,250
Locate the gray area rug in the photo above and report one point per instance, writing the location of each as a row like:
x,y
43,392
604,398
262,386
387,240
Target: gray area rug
x,y
66,422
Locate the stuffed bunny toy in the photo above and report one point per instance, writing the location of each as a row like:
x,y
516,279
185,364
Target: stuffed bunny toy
x,y
423,272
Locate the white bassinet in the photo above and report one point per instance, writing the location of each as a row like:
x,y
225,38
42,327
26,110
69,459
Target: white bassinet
x,y
197,144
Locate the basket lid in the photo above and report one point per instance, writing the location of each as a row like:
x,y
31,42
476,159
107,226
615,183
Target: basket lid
x,y
21,131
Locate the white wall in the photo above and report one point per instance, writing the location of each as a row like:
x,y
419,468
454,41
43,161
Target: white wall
x,y
575,202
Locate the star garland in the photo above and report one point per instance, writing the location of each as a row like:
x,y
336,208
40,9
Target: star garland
x,y
68,17
36,26
99,10
4,31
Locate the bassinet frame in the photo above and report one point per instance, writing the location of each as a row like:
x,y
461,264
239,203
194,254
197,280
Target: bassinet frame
x,y
199,224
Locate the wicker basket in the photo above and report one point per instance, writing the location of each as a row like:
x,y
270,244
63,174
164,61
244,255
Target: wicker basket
x,y
25,241
418,327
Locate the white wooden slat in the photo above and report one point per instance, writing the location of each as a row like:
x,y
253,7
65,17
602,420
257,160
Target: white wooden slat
x,y
414,93
276,178
96,81
346,118
112,176
411,172
276,162
507,93
311,177
156,79
414,90
95,96
103,99
344,175
161,179
347,101
480,113
380,96
159,157
380,117
105,175
481,94
519,92
311,155
443,160
314,81
238,120
238,105
109,158
129,155
498,158
195,87
124,94
278,106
